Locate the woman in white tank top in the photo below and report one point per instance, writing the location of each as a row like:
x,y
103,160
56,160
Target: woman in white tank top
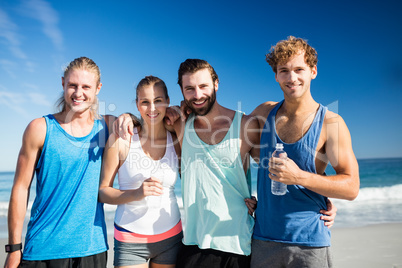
x,y
147,223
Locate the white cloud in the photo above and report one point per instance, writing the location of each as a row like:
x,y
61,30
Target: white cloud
x,y
31,86
9,67
19,102
14,102
11,39
43,12
8,31
39,99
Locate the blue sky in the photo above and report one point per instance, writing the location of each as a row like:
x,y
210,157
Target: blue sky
x,y
358,44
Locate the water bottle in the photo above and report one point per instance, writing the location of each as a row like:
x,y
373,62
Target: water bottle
x,y
278,188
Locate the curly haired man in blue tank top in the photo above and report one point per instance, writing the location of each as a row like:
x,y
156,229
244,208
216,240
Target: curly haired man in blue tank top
x,y
289,231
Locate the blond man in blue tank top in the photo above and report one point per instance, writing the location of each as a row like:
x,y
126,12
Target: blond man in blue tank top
x,y
67,223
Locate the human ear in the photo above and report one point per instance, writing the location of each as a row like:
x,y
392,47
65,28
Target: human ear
x,y
98,88
314,72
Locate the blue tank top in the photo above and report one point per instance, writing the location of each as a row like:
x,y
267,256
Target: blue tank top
x,y
292,218
67,221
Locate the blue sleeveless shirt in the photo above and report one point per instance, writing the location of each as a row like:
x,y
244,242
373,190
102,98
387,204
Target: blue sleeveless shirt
x,y
67,221
293,218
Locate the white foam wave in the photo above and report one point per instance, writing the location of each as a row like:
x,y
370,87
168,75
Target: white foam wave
x,y
375,195
372,205
3,209
380,193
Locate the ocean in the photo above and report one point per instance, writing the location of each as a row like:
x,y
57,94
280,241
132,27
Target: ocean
x,y
379,199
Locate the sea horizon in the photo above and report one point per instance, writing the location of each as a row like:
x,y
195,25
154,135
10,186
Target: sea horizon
x,y
358,159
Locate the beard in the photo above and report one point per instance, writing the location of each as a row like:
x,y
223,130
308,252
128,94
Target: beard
x,y
210,101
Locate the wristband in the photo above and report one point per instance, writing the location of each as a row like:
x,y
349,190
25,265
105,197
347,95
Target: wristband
x,y
12,248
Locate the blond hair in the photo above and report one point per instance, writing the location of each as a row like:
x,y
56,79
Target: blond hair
x,y
82,63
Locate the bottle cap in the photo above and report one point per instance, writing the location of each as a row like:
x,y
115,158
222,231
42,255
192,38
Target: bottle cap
x,y
279,146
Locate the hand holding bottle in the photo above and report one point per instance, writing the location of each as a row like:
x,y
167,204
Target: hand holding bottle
x,y
286,171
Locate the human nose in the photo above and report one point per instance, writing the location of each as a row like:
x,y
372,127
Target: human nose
x,y
78,91
152,106
197,93
293,76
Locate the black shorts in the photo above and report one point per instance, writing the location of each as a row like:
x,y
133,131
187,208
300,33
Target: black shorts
x,y
94,261
193,256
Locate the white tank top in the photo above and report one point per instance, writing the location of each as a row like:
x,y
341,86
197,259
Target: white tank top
x,y
153,214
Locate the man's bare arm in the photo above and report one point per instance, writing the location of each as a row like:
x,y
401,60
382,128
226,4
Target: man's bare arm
x,y
33,140
124,125
260,114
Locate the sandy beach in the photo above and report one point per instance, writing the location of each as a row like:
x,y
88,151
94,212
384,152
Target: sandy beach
x,y
375,246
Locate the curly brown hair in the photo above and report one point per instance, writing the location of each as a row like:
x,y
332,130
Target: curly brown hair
x,y
286,49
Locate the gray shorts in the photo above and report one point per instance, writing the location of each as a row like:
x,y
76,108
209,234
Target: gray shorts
x,y
273,254
162,252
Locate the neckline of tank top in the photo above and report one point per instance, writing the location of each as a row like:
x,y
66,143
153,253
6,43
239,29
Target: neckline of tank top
x,y
307,132
82,138
227,133
168,146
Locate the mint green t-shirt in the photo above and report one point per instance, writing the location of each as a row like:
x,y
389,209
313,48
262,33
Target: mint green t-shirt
x,y
214,187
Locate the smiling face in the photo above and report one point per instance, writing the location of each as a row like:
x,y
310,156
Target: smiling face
x,y
294,77
152,103
199,91
80,88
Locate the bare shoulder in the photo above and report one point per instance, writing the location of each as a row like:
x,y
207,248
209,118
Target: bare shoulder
x,y
117,146
37,127
35,134
333,118
176,144
264,109
37,124
335,128
250,129
249,121
109,119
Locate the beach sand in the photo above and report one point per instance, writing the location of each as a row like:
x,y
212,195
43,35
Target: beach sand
x,y
375,246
